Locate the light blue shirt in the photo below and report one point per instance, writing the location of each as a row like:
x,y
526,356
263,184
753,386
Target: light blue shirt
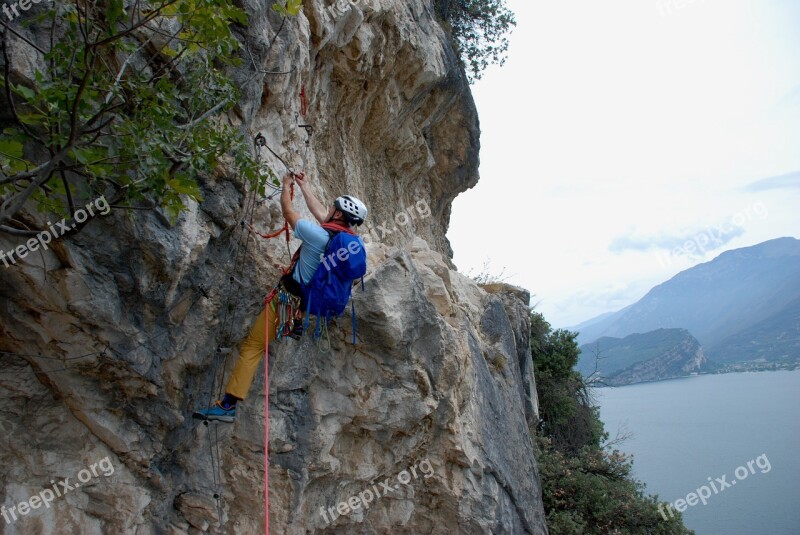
x,y
315,239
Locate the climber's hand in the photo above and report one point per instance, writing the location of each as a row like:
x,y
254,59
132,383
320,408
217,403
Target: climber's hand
x,y
300,178
288,180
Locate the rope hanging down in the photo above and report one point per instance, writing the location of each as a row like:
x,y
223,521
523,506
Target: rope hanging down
x,y
240,247
261,141
266,416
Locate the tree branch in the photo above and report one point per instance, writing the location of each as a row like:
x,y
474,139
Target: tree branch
x,y
14,203
205,116
9,96
31,43
17,232
156,12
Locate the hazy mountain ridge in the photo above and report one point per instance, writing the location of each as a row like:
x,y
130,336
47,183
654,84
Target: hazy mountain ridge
x,y
741,307
774,339
653,356
715,300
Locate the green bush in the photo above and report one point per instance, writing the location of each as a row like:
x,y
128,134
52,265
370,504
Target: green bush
x,y
480,31
566,412
586,489
593,493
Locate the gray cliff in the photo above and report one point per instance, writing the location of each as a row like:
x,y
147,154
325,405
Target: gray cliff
x,y
111,338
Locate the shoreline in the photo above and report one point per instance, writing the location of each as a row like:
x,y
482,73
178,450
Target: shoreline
x,y
739,367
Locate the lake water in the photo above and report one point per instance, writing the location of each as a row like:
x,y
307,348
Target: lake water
x,y
689,430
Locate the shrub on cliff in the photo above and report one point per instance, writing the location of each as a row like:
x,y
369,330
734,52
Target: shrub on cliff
x,y
586,489
567,415
480,31
593,493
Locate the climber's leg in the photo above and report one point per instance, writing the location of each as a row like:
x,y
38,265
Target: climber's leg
x,y
250,353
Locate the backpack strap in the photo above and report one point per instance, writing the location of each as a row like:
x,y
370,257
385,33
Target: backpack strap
x,y
308,313
293,265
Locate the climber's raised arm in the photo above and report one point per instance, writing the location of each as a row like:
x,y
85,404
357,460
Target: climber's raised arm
x,y
289,213
315,207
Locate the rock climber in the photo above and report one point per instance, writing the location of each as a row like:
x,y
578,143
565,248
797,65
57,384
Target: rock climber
x,y
346,213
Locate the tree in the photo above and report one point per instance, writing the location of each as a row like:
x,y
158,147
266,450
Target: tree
x,y
565,407
480,31
123,103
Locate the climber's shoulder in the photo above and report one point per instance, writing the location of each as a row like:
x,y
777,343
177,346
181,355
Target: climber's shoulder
x,y
311,233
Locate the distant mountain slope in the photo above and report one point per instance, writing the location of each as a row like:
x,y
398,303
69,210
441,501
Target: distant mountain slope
x,y
601,322
774,339
714,300
653,356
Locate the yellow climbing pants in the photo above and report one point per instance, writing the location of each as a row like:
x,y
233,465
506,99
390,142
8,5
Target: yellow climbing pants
x,y
250,353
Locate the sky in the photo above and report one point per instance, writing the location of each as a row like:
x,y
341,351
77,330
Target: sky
x,y
628,140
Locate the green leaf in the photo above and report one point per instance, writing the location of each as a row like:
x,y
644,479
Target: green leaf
x,y
11,156
237,15
11,148
25,92
294,7
115,9
87,155
31,119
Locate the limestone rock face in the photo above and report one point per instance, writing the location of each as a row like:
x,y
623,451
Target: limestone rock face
x,y
114,336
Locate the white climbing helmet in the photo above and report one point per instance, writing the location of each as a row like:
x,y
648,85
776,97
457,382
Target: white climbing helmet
x,y
355,211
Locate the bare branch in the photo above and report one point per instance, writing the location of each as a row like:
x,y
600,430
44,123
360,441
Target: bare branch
x,y
206,115
14,203
31,43
155,13
595,379
89,63
124,67
17,232
623,435
9,96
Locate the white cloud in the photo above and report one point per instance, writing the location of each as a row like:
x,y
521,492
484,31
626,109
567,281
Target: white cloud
x,y
610,120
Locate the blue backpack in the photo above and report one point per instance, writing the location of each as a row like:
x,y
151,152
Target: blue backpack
x,y
327,293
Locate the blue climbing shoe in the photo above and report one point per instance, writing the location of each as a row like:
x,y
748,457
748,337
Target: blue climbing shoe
x,y
217,412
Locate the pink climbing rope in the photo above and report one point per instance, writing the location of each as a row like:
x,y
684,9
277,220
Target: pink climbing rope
x,y
266,412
